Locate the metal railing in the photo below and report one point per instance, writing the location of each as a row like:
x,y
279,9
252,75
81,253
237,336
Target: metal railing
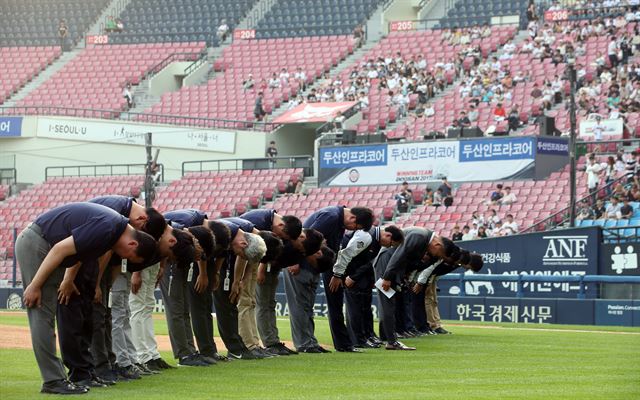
x,y
618,234
175,57
212,123
98,170
8,176
562,217
121,37
303,161
196,64
521,279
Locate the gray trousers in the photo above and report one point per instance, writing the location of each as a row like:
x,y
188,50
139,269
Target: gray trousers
x,y
266,309
122,345
301,296
142,305
31,249
176,307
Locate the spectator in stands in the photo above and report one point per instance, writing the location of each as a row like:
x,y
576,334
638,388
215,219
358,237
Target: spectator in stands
x,y
532,15
593,170
496,195
482,232
612,51
272,153
464,121
119,25
466,234
403,200
110,25
536,93
609,173
498,230
428,197
473,114
456,235
508,198
477,218
510,224
248,83
492,219
284,76
358,35
447,192
514,118
626,211
599,210
613,209
437,198
126,93
223,31
584,211
301,77
274,82
312,97
499,113
63,32
258,109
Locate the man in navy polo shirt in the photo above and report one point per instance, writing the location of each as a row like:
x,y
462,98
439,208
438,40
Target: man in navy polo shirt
x,y
332,222
175,290
62,237
76,310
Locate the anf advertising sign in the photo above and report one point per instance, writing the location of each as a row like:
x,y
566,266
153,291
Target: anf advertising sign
x,y
458,160
566,252
10,126
134,134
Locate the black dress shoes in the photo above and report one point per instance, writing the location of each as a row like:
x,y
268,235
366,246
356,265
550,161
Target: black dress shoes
x,y
63,386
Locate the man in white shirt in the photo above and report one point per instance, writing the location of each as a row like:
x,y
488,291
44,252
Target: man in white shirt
x,y
613,209
223,31
508,198
510,225
593,177
612,51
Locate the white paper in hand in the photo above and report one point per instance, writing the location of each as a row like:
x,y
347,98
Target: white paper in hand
x,y
389,293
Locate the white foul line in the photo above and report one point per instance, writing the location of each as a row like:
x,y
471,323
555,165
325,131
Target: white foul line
x,y
543,329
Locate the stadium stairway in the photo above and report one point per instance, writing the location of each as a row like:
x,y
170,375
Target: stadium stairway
x,y
47,73
256,13
113,9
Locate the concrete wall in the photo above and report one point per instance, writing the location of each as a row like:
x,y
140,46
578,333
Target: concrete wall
x,y
33,154
400,10
168,79
294,139
195,77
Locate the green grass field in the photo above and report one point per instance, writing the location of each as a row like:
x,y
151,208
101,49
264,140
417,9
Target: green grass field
x,y
506,361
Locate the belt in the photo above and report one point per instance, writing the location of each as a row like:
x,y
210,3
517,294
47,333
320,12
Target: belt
x,y
36,228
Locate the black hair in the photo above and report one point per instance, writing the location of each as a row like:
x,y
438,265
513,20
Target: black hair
x,y
396,233
451,251
313,242
222,235
205,240
288,256
364,217
274,246
476,262
156,224
292,226
184,251
465,257
325,261
147,249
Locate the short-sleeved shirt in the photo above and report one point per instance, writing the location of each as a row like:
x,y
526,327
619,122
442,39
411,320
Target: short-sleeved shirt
x,y
262,219
120,204
185,218
243,224
330,222
94,227
233,227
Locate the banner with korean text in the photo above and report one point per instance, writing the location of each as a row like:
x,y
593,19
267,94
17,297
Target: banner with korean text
x,y
418,162
117,132
562,252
